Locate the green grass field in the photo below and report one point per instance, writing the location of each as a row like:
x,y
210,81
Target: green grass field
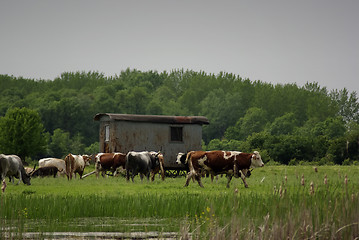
x,y
275,206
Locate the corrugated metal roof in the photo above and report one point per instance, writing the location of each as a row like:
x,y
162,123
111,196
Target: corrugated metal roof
x,y
154,118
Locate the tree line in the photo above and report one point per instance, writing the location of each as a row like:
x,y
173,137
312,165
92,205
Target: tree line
x,y
287,123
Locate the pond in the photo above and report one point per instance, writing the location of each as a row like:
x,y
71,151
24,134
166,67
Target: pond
x,y
92,228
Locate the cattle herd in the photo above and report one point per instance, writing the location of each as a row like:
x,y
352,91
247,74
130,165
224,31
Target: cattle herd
x,y
196,163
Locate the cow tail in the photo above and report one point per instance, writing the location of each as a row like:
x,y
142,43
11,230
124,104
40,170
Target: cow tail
x,y
192,172
188,157
162,169
68,166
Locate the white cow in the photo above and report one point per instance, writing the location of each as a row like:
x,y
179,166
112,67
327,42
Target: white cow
x,y
53,162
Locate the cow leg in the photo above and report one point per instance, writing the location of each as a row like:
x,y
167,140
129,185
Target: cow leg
x,y
235,171
19,178
189,177
198,178
142,175
72,169
81,173
134,173
243,176
70,173
229,177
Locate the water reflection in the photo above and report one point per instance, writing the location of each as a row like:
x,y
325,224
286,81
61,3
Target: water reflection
x,y
92,228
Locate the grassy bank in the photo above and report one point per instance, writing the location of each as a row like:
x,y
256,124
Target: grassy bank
x,y
280,202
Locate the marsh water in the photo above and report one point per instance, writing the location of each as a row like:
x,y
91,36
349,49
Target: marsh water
x,y
92,228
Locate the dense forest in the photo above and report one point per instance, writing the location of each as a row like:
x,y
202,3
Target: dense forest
x,y
288,124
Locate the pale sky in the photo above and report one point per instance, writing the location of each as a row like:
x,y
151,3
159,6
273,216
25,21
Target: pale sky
x,y
275,41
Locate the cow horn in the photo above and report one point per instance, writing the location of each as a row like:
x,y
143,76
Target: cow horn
x,y
33,170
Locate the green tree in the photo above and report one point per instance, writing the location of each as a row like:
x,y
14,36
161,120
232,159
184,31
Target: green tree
x,y
22,133
77,146
93,148
348,104
60,143
337,149
223,110
319,105
283,125
104,99
352,136
133,100
254,121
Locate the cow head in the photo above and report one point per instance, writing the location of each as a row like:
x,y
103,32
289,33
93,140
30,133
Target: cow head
x,y
256,160
25,177
87,159
181,158
30,171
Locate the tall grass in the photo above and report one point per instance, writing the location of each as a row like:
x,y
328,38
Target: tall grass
x,y
275,206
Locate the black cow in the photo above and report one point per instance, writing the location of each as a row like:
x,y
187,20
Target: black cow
x,y
45,171
11,166
141,162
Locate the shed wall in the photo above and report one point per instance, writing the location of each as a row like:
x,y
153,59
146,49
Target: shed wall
x,y
128,136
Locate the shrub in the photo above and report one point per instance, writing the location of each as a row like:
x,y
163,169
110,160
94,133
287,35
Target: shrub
x,y
293,162
272,163
347,162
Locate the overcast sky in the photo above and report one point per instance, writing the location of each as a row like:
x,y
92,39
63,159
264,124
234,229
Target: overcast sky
x,y
275,41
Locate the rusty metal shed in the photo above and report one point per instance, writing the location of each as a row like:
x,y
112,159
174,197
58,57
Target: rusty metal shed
x,y
168,134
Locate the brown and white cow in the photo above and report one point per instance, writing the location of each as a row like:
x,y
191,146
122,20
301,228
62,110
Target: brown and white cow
x,y
108,162
76,164
219,162
158,168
